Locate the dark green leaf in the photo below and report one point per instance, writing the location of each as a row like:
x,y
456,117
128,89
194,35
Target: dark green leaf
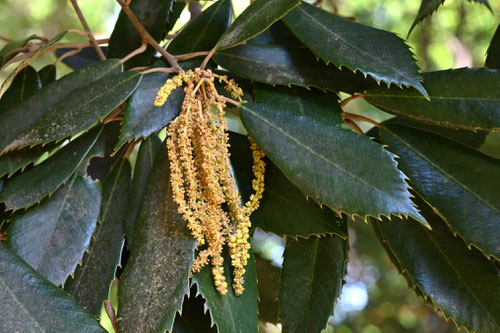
x,y
358,47
20,117
202,33
175,13
283,209
231,313
156,277
86,57
194,318
311,279
493,58
140,117
484,2
47,74
259,16
19,159
460,282
52,236
153,15
92,279
30,303
472,106
459,182
339,169
25,84
427,7
7,52
27,61
277,65
144,164
28,188
80,110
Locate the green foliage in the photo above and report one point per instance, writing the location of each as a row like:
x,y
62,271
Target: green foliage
x,y
83,171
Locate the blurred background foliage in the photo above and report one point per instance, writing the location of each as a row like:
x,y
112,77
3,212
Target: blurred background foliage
x,y
375,297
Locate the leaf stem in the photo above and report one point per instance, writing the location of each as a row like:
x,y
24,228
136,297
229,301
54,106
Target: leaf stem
x,y
110,311
357,117
87,29
160,69
137,51
207,58
146,36
353,97
187,56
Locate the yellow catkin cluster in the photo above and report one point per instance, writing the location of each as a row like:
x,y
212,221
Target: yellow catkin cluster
x,y
203,186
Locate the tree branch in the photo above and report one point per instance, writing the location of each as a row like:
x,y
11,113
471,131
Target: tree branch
x,y
87,29
146,36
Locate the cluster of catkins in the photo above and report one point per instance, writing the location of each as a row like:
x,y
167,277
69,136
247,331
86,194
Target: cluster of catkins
x,y
202,184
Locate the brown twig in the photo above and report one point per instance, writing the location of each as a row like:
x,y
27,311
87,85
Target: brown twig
x,y
195,9
110,311
135,52
5,39
357,117
353,97
230,101
114,115
170,36
130,148
207,58
78,32
146,36
161,69
3,236
187,56
67,54
87,29
354,126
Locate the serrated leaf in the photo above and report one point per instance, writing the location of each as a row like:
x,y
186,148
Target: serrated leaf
x,y
484,2
156,277
52,236
19,159
231,313
47,74
311,280
140,117
31,186
257,17
283,209
427,7
146,158
493,53
336,170
30,303
278,65
79,111
358,47
457,181
460,282
27,61
92,279
152,14
471,106
202,33
25,84
86,57
19,118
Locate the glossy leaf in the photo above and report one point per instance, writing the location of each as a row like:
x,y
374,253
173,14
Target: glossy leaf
x,y
311,280
156,277
231,313
86,57
457,181
25,84
146,158
472,106
27,61
6,52
52,236
21,191
140,117
427,7
493,57
175,13
336,170
202,33
19,159
80,110
460,282
283,209
257,17
30,303
278,65
91,280
47,74
153,15
20,117
358,47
